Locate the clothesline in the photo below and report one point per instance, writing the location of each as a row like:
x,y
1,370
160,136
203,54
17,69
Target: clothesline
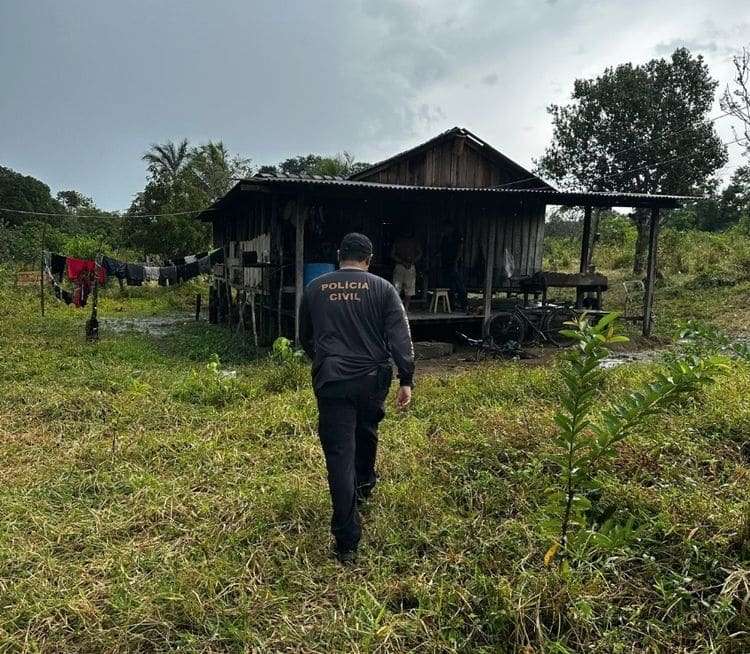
x,y
135,273
83,272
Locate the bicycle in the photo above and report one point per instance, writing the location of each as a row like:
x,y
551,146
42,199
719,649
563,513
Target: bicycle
x,y
487,349
526,324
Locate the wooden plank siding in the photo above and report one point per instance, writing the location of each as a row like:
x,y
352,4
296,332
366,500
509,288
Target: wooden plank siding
x,y
453,161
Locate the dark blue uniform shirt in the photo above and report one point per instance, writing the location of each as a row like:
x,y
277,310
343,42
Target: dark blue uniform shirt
x,y
352,322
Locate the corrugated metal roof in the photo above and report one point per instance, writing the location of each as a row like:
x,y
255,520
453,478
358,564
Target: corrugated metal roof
x,y
349,183
306,176
546,196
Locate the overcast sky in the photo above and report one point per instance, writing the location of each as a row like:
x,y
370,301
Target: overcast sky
x,y
85,87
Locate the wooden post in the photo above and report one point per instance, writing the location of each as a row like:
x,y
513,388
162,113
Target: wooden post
x,y
585,240
585,251
92,324
489,271
280,299
41,285
596,218
252,318
299,264
648,296
41,269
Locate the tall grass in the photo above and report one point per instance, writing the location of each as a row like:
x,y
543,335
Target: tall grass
x,y
134,517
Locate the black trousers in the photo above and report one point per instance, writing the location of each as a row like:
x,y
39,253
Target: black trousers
x,y
349,413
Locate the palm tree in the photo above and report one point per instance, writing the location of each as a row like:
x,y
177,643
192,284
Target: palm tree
x,y
214,168
167,159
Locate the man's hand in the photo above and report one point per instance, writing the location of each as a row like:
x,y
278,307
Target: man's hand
x,y
403,397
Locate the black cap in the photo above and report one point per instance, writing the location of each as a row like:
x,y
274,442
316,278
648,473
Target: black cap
x,y
355,247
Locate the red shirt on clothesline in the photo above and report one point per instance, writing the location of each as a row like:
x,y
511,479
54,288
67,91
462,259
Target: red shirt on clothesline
x,y
78,266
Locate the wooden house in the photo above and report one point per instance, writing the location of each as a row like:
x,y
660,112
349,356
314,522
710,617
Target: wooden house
x,y
274,227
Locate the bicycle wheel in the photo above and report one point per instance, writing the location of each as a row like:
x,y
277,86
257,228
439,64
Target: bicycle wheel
x,y
554,321
507,328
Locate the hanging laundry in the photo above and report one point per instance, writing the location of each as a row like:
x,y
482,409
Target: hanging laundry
x,y
191,258
81,295
57,265
60,293
204,265
167,275
180,261
77,267
217,256
151,273
114,267
191,270
135,274
200,255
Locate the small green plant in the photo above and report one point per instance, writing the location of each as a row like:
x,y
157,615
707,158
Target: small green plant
x,y
288,370
696,337
585,440
283,351
211,386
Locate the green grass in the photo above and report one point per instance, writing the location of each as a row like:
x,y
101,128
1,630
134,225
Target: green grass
x,y
147,506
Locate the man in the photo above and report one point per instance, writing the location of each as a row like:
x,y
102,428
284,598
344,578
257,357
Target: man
x,y
451,247
351,322
406,252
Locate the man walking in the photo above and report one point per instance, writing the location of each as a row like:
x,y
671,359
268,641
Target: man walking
x,y
351,323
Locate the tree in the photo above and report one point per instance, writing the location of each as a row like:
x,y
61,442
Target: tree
x,y
735,199
181,181
640,128
267,169
70,216
167,160
26,194
214,170
339,165
161,218
75,201
736,97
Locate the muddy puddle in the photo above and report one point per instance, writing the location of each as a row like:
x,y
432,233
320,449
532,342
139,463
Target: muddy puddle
x,y
152,326
620,358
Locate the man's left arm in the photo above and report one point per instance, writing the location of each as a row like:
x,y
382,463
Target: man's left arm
x,y
400,344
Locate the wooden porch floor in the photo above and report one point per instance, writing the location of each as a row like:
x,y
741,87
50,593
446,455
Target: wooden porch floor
x,y
456,316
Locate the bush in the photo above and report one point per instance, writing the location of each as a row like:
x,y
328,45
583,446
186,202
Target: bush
x,y
23,244
211,386
710,280
288,370
85,247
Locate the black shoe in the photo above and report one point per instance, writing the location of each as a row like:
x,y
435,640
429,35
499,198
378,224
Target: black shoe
x,y
362,499
346,557
364,492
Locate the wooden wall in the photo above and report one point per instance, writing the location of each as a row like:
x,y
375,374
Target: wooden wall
x,y
253,216
454,161
518,245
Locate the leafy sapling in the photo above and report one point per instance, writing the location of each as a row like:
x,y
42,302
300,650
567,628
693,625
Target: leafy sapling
x,y
588,435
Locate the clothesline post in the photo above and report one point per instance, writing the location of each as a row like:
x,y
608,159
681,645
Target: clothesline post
x,y
92,326
41,269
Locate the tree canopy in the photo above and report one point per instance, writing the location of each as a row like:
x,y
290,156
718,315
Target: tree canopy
x,y
640,128
181,181
26,194
342,164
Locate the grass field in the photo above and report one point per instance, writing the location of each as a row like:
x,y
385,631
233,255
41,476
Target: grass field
x,y
150,504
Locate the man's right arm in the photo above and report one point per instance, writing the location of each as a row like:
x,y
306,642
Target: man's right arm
x,y
306,333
